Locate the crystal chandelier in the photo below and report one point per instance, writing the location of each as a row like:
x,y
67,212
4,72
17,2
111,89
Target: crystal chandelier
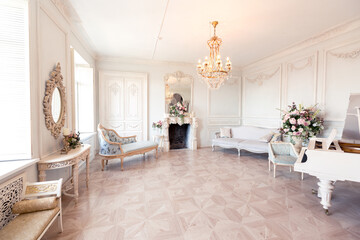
x,y
211,71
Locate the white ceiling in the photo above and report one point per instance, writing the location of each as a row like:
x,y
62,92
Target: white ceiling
x,y
250,29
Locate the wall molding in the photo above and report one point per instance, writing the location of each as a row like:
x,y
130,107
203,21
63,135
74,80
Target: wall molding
x,y
235,79
321,37
311,61
261,77
343,55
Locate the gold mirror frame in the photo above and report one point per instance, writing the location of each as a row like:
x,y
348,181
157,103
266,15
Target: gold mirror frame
x,y
56,81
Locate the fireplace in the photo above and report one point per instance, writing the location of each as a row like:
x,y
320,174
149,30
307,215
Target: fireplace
x,y
178,136
180,133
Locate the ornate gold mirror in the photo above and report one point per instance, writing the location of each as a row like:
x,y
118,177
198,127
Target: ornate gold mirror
x,y
54,102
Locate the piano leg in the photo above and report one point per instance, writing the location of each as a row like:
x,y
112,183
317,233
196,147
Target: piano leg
x,y
326,188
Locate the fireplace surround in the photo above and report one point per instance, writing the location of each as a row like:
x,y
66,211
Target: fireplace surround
x,y
190,132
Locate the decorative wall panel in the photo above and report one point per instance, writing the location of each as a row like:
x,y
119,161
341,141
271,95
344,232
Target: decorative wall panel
x,y
261,94
10,193
342,77
301,82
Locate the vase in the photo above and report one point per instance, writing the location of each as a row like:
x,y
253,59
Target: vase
x,y
297,142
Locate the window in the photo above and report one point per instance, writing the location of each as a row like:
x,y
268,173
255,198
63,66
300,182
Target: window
x,y
84,95
15,140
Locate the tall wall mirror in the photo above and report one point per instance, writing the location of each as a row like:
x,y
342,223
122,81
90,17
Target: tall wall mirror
x,y
178,88
54,102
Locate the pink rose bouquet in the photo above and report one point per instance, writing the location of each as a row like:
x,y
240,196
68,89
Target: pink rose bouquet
x,y
178,110
301,122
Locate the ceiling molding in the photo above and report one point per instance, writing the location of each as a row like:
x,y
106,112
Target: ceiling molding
x,y
68,12
323,36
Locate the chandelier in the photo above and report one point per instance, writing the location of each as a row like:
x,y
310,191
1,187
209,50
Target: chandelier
x,y
211,71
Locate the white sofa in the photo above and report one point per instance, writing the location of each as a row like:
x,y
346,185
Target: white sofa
x,y
247,138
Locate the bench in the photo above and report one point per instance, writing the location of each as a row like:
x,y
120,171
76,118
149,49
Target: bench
x,y
40,206
112,146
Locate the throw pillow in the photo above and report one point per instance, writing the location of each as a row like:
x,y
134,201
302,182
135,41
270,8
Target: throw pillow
x,y
266,138
225,132
34,205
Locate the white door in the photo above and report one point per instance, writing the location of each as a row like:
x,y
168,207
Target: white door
x,y
123,103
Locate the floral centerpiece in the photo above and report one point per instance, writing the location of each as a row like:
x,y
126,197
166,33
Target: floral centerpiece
x,y
157,125
301,123
178,110
73,139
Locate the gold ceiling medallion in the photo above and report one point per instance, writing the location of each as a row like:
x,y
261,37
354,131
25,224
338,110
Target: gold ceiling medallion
x,y
211,71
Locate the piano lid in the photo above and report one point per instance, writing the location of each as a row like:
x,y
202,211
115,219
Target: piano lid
x,y
351,132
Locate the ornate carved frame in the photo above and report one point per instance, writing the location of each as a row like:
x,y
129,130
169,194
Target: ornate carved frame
x,y
56,81
179,75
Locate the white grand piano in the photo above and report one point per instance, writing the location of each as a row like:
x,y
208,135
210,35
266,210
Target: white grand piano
x,y
331,160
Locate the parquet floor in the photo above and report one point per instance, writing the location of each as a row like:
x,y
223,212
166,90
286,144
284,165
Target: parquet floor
x,y
205,195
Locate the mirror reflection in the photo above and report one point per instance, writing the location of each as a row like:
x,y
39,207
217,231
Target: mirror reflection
x,y
56,105
178,88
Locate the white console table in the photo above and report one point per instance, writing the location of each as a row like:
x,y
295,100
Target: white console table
x,y
72,158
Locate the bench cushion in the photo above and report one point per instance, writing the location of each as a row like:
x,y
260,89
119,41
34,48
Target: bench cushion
x,y
28,226
34,205
131,147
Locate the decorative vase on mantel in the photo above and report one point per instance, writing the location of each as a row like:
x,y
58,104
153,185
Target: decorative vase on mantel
x,y
181,120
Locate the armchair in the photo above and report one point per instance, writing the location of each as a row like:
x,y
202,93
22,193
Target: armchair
x,y
283,154
40,206
113,146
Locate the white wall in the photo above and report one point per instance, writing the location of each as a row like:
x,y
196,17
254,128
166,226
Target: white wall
x,y
51,35
322,70
204,99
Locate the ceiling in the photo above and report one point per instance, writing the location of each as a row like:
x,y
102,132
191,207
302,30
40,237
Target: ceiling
x,y
177,30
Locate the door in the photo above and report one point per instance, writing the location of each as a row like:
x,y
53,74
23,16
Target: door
x,y
123,103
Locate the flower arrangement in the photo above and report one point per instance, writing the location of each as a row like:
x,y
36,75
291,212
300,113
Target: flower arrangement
x,y
73,139
178,110
157,124
300,122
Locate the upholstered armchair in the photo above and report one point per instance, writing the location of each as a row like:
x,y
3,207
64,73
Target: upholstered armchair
x,y
283,154
113,146
40,206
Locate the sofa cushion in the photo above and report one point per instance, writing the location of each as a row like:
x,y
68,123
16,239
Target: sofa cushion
x,y
231,142
250,132
130,147
254,146
28,226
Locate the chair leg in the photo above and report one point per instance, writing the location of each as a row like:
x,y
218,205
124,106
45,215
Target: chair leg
x,y
213,148
122,164
302,175
269,165
238,152
290,168
107,161
102,164
274,170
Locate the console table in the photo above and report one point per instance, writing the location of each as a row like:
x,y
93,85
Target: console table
x,y
72,158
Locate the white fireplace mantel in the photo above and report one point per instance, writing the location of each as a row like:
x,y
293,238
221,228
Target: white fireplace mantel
x,y
176,120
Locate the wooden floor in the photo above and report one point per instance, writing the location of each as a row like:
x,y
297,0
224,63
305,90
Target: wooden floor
x,y
205,195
